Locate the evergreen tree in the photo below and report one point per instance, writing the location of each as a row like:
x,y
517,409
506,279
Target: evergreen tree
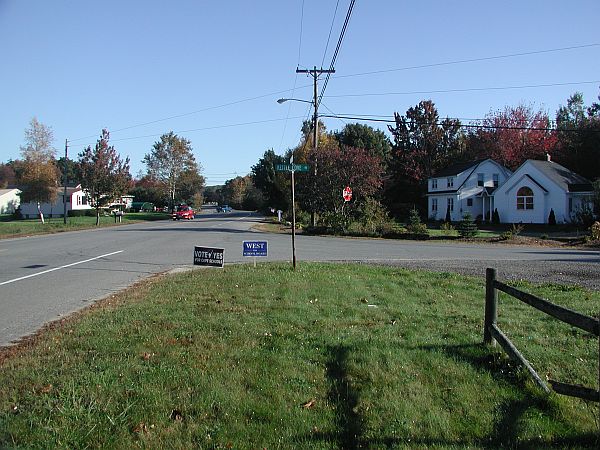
x,y
467,228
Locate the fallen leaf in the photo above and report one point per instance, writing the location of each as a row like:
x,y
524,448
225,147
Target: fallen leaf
x,y
46,389
309,404
141,428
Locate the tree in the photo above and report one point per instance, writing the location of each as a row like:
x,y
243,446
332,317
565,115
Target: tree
x,y
578,137
7,175
169,159
38,175
339,167
104,175
146,189
467,228
366,137
422,145
273,185
73,170
191,186
512,136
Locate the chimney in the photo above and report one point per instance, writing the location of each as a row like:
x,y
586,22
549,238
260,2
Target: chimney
x,y
548,157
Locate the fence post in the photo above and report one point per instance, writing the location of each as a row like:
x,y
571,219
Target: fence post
x,y
491,306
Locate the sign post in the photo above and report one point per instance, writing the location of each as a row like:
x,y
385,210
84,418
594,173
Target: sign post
x,y
291,167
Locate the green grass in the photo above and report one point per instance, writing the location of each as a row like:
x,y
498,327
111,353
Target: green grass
x,y
10,227
385,357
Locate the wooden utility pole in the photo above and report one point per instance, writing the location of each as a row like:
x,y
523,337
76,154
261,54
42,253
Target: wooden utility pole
x,y
315,74
65,179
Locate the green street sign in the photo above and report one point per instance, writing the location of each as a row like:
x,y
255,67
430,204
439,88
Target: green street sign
x,y
292,167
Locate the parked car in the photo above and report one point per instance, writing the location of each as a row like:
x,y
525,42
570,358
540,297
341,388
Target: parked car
x,y
224,208
183,212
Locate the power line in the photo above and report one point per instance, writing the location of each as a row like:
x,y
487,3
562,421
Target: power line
x,y
200,129
335,54
447,91
209,108
330,30
471,60
491,127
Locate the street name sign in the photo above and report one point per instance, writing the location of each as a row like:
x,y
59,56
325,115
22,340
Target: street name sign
x,y
292,167
208,256
255,248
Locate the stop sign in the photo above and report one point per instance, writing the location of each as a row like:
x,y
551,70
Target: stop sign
x,y
347,194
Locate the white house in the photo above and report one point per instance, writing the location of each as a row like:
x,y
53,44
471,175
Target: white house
x,y
9,200
75,199
466,187
537,187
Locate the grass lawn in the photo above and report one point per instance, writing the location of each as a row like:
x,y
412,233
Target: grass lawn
x,y
329,356
10,227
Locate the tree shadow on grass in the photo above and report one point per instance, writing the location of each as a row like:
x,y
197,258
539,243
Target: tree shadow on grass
x,y
506,429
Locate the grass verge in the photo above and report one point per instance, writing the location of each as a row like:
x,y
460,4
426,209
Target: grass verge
x,y
329,356
10,227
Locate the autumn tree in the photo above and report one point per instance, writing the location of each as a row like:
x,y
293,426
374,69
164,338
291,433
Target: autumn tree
x,y
513,135
169,160
339,166
104,175
422,145
38,174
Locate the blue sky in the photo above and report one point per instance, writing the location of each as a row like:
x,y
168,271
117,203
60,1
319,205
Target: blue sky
x,y
80,66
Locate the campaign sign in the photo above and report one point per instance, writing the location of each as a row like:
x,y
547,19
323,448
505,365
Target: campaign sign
x,y
208,256
255,248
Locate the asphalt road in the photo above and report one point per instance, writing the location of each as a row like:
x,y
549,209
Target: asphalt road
x,y
43,278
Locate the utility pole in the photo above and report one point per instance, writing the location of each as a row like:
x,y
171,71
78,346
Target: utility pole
x,y
315,74
65,179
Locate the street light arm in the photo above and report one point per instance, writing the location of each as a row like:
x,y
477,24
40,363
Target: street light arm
x,y
283,100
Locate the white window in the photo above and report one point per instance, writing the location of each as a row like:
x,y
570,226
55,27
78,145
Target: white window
x,y
434,205
524,198
451,204
496,180
479,179
450,181
434,183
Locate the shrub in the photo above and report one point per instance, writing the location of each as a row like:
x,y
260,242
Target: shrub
x,y
81,213
496,217
467,228
595,231
373,218
514,231
415,226
551,218
448,216
447,229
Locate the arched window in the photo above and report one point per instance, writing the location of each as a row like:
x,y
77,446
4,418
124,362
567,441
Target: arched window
x,y
524,198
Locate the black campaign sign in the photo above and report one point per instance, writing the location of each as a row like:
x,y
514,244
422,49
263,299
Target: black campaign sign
x,y
208,256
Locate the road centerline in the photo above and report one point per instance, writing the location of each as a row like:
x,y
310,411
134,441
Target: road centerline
x,y
59,268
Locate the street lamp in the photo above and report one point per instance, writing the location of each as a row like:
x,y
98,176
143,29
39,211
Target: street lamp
x,y
283,100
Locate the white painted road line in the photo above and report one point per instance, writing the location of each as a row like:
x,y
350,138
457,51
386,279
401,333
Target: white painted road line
x,y
59,268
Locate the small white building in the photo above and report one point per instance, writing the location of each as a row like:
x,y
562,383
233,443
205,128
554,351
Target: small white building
x,y
537,187
466,187
75,200
9,200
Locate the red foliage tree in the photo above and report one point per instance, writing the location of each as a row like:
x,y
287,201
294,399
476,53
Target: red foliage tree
x,y
513,135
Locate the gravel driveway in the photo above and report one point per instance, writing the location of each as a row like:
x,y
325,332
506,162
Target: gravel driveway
x,y
585,274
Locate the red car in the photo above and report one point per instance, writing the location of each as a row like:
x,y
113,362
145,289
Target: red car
x,y
183,212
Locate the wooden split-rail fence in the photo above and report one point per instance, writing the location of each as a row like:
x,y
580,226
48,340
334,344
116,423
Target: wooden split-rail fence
x,y
493,334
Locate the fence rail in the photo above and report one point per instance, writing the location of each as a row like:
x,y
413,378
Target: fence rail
x,y
493,334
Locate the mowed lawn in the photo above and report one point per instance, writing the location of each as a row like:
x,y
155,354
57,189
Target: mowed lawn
x,y
329,356
10,227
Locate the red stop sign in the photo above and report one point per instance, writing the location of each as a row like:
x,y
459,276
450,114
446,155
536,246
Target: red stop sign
x,y
347,193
